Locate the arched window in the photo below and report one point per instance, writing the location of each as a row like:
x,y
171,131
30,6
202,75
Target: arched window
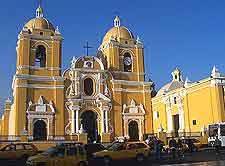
x,y
40,56
88,86
127,62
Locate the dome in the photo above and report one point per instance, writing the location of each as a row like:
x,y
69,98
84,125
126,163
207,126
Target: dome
x,y
176,83
118,32
39,23
170,87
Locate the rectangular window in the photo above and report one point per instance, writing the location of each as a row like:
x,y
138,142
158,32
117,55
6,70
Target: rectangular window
x,y
194,122
175,100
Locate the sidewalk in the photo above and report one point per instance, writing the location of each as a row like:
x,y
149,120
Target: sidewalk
x,y
202,156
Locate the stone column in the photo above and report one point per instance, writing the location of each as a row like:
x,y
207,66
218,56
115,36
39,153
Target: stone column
x,y
30,128
125,127
169,121
102,121
50,128
140,129
181,121
73,122
106,122
77,121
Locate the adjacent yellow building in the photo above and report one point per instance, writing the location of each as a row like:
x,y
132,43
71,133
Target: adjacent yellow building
x,y
182,108
100,97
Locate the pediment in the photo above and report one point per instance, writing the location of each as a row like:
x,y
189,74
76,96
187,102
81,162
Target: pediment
x,y
101,97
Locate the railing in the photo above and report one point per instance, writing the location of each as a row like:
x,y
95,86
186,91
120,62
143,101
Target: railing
x,y
22,138
184,134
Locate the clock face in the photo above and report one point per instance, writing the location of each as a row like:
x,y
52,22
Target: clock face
x,y
127,61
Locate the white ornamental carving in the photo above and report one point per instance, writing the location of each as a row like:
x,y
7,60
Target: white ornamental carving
x,y
133,108
41,107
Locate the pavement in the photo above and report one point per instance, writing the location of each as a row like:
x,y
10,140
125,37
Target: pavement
x,y
206,157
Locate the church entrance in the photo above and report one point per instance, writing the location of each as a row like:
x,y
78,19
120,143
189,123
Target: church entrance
x,y
89,122
133,130
40,131
176,125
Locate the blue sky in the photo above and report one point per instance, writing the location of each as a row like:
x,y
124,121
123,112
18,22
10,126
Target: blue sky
x,y
189,34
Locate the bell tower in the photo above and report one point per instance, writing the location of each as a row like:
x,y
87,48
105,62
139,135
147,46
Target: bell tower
x,y
38,76
123,52
123,55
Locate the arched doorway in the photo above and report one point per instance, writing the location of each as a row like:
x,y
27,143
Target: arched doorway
x,y
40,130
133,130
89,122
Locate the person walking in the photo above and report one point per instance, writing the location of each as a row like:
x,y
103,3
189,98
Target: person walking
x,y
157,148
180,148
173,147
217,145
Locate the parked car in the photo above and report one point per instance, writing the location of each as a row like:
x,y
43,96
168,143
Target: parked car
x,y
124,150
92,148
18,151
196,144
64,154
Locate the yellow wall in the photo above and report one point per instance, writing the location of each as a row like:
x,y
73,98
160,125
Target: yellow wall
x,y
202,101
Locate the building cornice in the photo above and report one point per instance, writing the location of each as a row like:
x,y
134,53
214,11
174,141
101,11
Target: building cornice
x,y
38,78
131,83
39,86
130,90
38,68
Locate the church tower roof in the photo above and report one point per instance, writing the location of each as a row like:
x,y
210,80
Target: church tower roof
x,y
39,22
118,32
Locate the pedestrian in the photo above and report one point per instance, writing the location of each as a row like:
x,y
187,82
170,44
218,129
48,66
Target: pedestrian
x,y
173,147
190,145
159,148
217,145
156,148
180,148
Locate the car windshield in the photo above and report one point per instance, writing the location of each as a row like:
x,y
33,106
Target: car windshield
x,y
222,129
213,130
115,146
50,151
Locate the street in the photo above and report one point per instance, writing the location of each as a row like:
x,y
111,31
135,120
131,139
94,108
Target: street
x,y
206,158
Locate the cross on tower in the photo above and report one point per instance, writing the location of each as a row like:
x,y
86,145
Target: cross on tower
x,y
87,47
40,2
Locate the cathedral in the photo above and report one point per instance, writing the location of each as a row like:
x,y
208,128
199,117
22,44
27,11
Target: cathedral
x,y
100,97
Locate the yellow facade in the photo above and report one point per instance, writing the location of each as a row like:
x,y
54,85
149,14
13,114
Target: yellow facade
x,y
195,105
100,97
50,104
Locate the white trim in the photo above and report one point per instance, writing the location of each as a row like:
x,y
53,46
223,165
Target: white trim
x,y
84,58
131,83
129,73
38,37
37,68
87,70
130,91
39,86
198,89
38,78
180,90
